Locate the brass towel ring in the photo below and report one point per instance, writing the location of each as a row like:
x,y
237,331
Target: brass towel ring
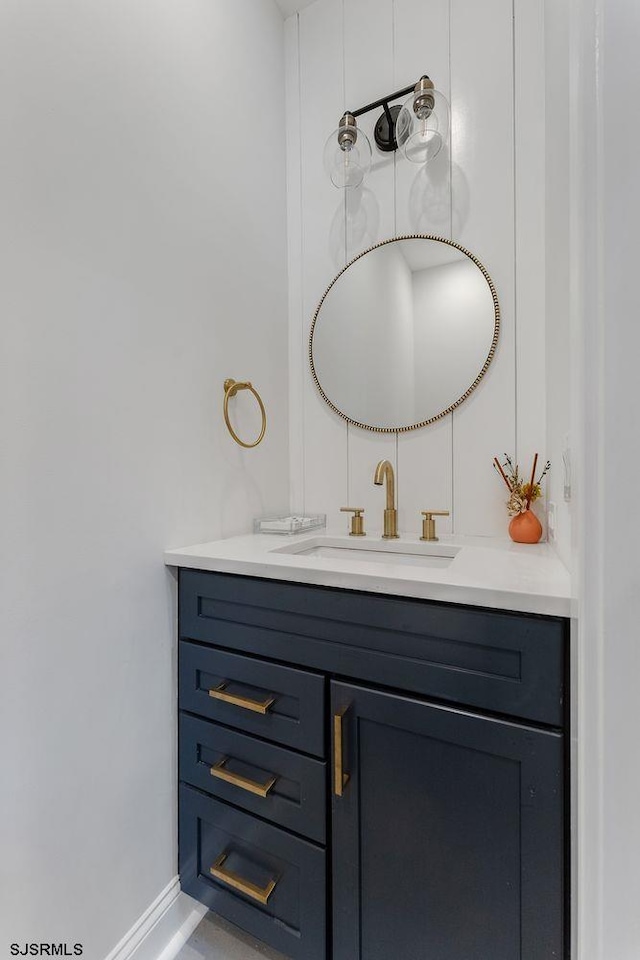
x,y
231,387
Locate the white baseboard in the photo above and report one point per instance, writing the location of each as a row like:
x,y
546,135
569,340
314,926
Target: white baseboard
x,y
163,928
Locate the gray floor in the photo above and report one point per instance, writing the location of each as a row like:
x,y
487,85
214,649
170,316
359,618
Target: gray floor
x,y
215,939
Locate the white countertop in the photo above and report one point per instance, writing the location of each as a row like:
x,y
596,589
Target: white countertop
x,y
484,572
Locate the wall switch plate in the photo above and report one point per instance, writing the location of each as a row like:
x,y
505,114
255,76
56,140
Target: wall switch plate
x,y
551,521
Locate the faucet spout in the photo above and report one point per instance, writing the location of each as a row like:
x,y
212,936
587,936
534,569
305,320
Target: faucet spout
x,y
384,472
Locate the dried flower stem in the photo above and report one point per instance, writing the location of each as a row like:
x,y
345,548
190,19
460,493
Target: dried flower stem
x,y
532,481
502,473
547,467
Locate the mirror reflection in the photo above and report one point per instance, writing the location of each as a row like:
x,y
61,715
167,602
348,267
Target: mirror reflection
x,y
404,333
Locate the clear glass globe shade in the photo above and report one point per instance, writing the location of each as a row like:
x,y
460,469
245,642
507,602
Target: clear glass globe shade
x,y
347,168
421,138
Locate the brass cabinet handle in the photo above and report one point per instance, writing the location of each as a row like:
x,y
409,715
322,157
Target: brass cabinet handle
x,y
340,776
251,786
257,706
259,894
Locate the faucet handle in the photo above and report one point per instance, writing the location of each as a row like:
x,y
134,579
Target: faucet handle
x,y
429,524
357,521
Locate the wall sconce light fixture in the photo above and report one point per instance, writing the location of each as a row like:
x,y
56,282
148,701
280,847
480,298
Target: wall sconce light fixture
x,y
347,154
420,127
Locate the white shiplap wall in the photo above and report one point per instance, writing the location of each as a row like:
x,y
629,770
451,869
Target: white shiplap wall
x,y
487,192
128,231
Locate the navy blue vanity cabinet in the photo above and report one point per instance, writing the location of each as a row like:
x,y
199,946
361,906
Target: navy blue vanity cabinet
x,y
267,881
447,833
366,776
282,786
492,660
240,786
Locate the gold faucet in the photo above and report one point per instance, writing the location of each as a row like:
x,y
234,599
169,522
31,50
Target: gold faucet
x,y
384,471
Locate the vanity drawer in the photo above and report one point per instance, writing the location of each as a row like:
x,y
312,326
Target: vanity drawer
x,y
279,785
266,699
507,663
259,863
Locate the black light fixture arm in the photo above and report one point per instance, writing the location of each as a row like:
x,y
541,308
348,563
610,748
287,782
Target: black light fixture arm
x,y
383,101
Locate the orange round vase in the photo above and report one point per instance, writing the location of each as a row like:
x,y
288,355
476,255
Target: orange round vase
x,y
525,528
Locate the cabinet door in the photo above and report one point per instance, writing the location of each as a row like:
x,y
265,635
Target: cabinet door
x,y
448,835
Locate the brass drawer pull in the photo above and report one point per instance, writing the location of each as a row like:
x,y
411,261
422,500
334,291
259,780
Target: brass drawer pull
x,y
260,789
257,706
340,776
259,894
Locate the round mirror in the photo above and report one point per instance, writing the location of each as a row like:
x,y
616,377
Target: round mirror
x,y
404,333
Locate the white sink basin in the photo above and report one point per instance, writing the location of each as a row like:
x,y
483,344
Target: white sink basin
x,y
373,551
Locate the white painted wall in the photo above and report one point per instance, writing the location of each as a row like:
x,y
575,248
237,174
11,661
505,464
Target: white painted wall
x,y
557,266
487,193
606,208
290,7
621,523
142,261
